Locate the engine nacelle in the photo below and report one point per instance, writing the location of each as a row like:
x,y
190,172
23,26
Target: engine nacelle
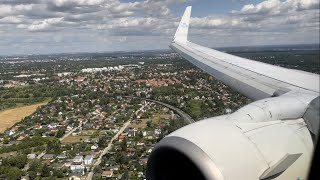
x,y
217,148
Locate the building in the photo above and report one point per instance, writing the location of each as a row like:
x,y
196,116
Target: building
x,y
107,174
78,169
94,147
88,160
48,156
31,156
74,177
62,156
77,165
121,138
77,160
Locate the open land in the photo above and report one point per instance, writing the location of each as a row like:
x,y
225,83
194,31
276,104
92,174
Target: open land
x,y
11,116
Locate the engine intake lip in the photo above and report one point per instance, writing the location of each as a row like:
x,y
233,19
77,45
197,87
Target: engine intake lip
x,y
178,158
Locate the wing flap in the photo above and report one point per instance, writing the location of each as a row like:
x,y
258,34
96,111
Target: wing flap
x,y
283,164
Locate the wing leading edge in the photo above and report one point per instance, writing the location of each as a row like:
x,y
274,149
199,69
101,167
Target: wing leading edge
x,y
255,80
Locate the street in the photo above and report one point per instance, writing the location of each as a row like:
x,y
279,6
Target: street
x,y
105,150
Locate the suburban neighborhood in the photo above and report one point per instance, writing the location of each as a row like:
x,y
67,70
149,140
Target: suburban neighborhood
x,y
102,119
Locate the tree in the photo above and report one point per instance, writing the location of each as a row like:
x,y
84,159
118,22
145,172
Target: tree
x,y
34,165
125,175
123,145
58,173
97,169
54,146
18,161
45,171
60,133
32,174
140,135
26,151
6,141
149,123
14,173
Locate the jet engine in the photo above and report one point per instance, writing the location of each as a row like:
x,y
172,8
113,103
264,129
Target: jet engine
x,y
257,146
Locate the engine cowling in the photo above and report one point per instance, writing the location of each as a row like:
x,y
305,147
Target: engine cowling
x,y
217,148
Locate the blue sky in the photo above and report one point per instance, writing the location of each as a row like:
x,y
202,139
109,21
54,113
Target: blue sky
x,y
55,26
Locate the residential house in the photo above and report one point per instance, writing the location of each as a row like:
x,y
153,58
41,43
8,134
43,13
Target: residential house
x,y
143,161
77,160
88,160
48,156
77,165
94,147
157,132
37,126
107,174
31,156
74,177
52,125
62,156
114,168
131,152
20,138
121,138
140,144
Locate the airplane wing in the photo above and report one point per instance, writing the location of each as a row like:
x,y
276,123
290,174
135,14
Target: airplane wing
x,y
255,80
271,138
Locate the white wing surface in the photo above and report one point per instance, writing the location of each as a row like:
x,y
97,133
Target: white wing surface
x,y
255,80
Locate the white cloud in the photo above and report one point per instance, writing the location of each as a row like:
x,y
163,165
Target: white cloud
x,y
7,10
44,24
278,7
11,20
116,22
77,2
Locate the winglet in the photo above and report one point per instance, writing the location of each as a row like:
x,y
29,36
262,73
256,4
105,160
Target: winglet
x,y
182,31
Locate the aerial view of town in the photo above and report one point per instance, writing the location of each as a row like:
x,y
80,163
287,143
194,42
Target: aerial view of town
x,y
99,115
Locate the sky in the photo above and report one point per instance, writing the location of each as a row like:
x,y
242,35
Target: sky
x,y
62,26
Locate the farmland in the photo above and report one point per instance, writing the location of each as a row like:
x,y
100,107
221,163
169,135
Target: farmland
x,y
11,116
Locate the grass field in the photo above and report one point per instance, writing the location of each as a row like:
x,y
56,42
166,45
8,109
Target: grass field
x,y
155,120
195,109
74,139
11,116
5,155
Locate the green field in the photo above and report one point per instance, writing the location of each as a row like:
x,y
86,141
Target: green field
x,y
155,119
74,139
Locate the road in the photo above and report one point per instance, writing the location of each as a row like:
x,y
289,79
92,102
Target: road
x,y
72,130
186,117
106,150
41,154
26,167
69,133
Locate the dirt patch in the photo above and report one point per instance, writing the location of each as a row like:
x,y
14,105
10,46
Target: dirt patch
x,y
11,116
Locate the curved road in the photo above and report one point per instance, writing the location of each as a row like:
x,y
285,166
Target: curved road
x,y
188,119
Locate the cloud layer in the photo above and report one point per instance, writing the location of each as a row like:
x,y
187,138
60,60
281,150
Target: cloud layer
x,y
35,26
